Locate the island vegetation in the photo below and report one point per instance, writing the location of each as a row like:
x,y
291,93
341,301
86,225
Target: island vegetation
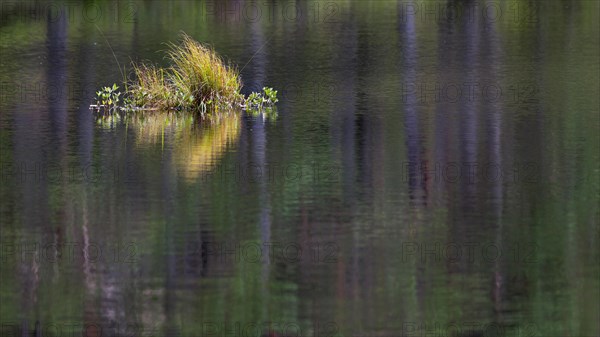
x,y
198,80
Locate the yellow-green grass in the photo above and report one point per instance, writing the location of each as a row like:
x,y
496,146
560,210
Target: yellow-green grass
x,y
198,79
198,71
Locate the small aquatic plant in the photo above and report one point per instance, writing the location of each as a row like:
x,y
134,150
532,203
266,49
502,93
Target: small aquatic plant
x,y
108,98
198,80
258,100
257,103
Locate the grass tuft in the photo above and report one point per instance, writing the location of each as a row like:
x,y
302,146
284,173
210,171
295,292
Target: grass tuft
x,y
150,89
198,72
197,80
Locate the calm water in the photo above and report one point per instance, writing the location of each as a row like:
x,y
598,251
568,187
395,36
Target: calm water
x,y
433,170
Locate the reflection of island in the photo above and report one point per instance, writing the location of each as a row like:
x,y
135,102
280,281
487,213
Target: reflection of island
x,y
198,152
198,147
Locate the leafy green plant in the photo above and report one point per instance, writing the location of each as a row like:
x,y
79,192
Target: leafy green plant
x,y
271,95
263,102
267,98
108,98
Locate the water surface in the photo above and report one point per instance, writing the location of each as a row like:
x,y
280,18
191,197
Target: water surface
x,y
433,168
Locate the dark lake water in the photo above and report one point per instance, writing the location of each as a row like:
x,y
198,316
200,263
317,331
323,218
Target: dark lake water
x,y
433,170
